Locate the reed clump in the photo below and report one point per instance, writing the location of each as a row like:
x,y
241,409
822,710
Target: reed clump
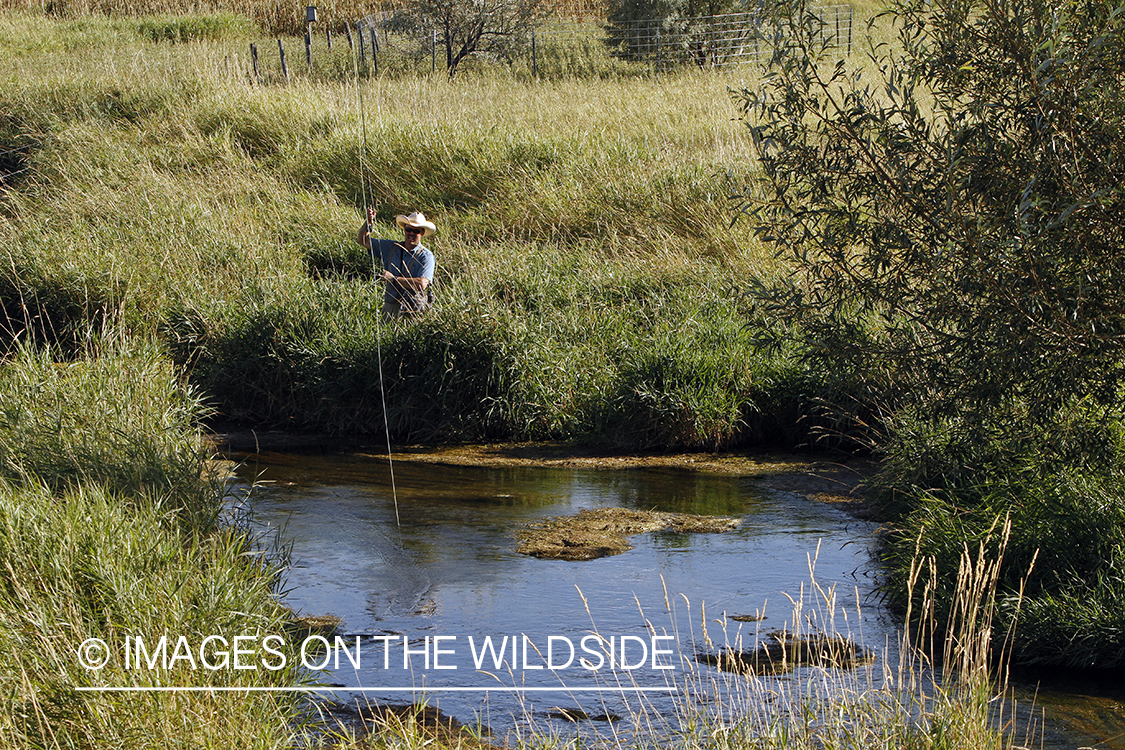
x,y
1062,562
634,363
118,418
109,531
941,685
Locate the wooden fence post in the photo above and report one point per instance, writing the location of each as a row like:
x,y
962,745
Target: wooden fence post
x,y
254,62
374,53
348,31
284,67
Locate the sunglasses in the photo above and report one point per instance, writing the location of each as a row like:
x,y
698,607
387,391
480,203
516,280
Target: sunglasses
x,y
413,230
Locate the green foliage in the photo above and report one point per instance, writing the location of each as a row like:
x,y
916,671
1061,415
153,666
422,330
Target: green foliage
x,y
635,28
1060,583
53,305
954,230
117,418
645,364
108,530
317,366
696,381
971,201
86,564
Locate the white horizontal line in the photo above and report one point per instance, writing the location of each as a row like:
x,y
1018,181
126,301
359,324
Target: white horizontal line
x,y
348,689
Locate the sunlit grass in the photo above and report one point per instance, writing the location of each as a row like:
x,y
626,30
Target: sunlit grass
x,y
161,190
588,286
108,529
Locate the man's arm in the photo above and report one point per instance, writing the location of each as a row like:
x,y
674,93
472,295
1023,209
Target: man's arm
x,y
414,283
407,283
363,239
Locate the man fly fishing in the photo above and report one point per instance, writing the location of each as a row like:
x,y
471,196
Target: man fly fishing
x,y
408,266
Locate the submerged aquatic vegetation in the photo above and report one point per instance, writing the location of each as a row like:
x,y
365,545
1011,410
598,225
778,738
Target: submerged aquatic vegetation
x,y
597,533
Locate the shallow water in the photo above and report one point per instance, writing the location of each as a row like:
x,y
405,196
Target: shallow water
x,y
430,568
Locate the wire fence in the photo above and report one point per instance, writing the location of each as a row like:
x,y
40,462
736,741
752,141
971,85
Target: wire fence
x,y
714,41
562,49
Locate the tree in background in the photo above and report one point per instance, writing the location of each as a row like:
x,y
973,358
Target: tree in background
x,y
663,30
499,28
956,234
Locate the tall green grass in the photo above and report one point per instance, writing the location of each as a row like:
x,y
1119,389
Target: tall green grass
x,y
585,257
108,529
119,418
598,353
1064,555
85,564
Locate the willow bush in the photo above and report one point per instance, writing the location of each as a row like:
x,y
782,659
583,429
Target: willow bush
x,y
954,220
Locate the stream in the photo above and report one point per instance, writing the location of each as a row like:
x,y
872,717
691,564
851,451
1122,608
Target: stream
x,y
425,578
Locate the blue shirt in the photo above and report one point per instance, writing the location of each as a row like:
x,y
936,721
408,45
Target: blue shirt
x,y
413,264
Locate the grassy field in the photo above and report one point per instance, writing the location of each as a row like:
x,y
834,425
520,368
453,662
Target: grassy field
x,y
587,266
108,529
178,253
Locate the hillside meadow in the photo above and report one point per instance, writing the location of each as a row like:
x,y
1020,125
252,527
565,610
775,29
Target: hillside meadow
x,y
588,268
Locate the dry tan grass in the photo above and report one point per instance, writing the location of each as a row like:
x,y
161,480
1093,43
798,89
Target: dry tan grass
x,y
277,18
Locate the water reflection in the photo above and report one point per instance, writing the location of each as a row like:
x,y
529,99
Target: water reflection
x,y
449,567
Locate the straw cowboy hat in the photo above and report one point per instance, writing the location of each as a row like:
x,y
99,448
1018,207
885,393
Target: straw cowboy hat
x,y
417,220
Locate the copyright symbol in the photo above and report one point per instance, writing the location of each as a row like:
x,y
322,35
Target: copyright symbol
x,y
93,654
